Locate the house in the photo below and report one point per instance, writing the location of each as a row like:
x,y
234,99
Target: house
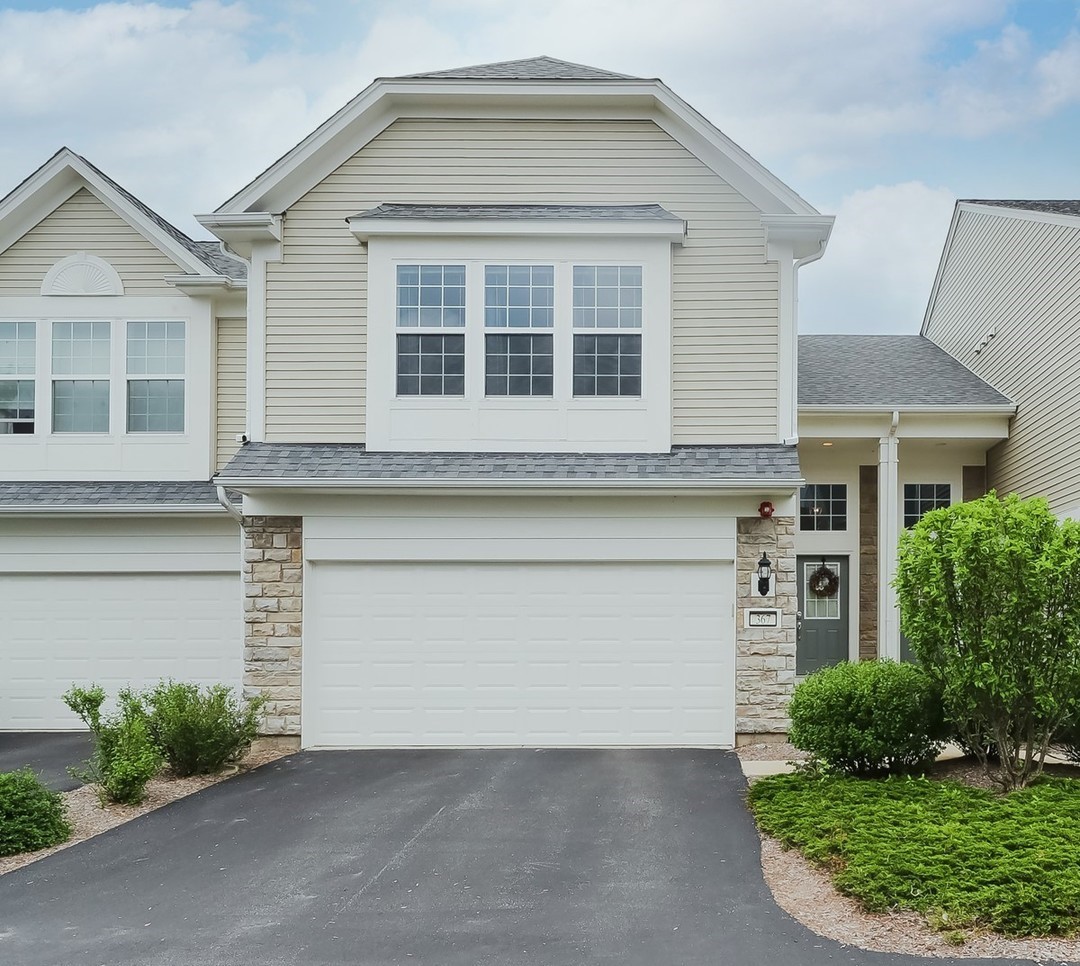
x,y
1006,304
532,454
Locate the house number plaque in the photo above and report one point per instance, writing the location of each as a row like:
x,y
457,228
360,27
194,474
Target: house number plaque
x,y
762,616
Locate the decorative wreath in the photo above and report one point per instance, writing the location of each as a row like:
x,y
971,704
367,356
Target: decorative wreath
x,y
824,582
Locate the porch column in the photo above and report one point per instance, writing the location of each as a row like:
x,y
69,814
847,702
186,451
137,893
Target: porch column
x,y
888,538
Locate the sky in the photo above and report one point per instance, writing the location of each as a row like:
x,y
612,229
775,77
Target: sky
x,y
880,113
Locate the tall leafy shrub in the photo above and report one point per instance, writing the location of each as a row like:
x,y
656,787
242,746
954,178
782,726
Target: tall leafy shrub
x,y
31,816
989,596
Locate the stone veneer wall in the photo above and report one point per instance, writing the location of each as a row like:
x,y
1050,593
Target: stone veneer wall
x,y
764,656
273,618
868,563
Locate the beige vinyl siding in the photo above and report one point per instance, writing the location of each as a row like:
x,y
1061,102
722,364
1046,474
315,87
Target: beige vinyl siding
x,y
1020,279
725,302
84,223
231,416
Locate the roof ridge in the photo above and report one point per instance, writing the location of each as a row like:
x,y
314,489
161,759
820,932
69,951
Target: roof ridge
x,y
543,67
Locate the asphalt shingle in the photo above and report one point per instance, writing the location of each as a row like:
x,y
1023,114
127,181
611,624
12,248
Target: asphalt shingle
x,y
886,370
1056,207
513,212
352,461
54,493
530,68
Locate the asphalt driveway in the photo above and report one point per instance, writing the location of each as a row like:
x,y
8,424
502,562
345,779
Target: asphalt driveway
x,y
49,753
640,858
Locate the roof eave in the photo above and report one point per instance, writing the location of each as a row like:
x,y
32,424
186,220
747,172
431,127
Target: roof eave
x,y
969,409
119,509
365,228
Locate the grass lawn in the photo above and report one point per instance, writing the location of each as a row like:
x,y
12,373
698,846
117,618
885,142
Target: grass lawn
x,y
961,856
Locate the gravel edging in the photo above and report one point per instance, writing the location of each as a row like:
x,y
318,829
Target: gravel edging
x,y
88,817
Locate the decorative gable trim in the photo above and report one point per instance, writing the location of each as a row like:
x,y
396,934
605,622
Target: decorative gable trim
x,y
386,100
82,274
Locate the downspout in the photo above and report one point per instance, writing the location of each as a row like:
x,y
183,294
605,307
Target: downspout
x,y
230,508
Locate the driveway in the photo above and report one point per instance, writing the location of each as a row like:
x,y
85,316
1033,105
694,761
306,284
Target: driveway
x,y
49,753
636,858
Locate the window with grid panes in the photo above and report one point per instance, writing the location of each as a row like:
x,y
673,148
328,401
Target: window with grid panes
x,y
155,371
823,506
81,362
18,347
607,309
519,314
920,498
430,299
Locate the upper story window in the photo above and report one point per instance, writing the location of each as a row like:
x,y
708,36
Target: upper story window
x,y
920,498
18,349
521,298
155,370
823,506
607,300
81,363
430,298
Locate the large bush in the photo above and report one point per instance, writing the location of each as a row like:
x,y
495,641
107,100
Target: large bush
x,y
124,758
199,732
989,596
31,816
868,718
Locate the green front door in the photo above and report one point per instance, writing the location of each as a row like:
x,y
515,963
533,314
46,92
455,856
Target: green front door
x,y
822,624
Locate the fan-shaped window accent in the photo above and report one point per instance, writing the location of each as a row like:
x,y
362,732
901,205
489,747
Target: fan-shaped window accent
x,y
82,274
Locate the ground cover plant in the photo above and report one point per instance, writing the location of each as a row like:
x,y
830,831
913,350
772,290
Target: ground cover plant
x,y
868,718
963,857
989,594
31,816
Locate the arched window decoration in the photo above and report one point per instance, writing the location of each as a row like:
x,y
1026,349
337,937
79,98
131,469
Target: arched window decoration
x,y
82,274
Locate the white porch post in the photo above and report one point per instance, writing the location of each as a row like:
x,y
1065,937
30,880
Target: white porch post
x,y
888,538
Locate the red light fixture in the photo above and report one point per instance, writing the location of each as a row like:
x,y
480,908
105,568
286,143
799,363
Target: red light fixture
x,y
766,510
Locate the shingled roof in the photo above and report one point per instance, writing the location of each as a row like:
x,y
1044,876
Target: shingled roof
x,y
529,69
1058,207
524,212
888,371
55,494
257,462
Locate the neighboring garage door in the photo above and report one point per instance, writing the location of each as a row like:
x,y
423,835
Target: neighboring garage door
x,y
115,630
586,653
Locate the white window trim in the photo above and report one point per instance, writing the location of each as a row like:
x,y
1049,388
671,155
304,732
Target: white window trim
x,y
130,377
561,423
847,499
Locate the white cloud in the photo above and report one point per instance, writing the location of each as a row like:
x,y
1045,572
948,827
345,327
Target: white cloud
x,y
881,260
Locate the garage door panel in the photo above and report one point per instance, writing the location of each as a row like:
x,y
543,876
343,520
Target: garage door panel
x,y
518,654
117,630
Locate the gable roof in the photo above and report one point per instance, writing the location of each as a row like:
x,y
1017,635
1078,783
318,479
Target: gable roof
x,y
277,464
887,372
530,68
549,84
44,190
1060,207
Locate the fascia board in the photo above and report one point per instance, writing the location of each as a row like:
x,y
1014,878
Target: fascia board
x,y
56,181
945,251
240,231
382,102
38,510
998,410
254,486
203,284
365,228
806,234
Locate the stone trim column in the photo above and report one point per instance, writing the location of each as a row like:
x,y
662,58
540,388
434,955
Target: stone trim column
x,y
868,563
273,618
764,656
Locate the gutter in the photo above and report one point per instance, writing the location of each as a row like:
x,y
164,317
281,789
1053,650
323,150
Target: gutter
x,y
107,509
996,410
243,484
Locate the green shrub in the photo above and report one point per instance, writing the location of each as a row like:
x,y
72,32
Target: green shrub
x,y
199,732
868,718
961,856
124,758
989,595
31,816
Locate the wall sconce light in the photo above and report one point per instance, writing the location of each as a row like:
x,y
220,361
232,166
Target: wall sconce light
x,y
764,574
766,510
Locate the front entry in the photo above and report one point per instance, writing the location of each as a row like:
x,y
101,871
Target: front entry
x,y
822,628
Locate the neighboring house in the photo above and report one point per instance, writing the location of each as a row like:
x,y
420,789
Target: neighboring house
x,y
1006,303
520,376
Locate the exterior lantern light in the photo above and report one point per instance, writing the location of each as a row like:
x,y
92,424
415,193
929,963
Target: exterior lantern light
x,y
764,574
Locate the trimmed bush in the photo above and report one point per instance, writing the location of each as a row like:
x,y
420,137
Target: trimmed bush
x,y
125,758
869,718
199,732
31,816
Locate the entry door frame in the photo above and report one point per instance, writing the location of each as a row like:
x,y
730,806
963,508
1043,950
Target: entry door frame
x,y
848,599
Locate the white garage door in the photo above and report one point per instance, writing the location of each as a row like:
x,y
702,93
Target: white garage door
x,y
115,630
534,654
